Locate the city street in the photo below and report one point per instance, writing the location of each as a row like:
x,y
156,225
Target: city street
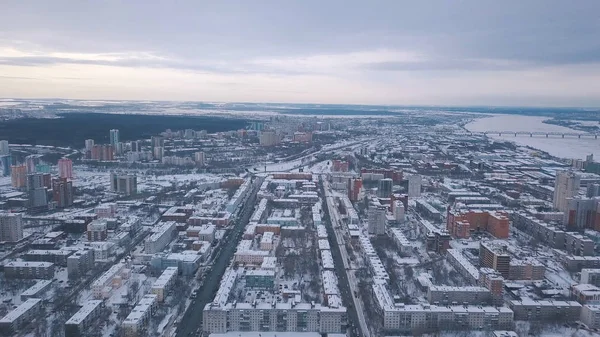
x,y
192,319
348,283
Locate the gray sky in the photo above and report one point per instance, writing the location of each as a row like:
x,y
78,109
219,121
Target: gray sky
x,y
510,52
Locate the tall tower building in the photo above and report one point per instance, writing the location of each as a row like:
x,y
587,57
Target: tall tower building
x,y
384,189
31,162
65,168
157,141
158,152
18,176
566,186
199,159
11,227
414,186
62,192
376,218
354,187
36,190
269,138
136,146
5,164
4,149
123,183
89,144
114,137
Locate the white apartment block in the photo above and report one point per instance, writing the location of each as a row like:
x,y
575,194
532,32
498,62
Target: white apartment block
x,y
590,315
566,185
82,319
164,283
401,317
250,256
21,315
414,186
401,241
204,232
444,295
160,238
464,267
590,276
266,242
528,309
100,287
137,320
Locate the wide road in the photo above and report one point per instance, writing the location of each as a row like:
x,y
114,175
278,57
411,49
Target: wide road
x,y
192,319
344,285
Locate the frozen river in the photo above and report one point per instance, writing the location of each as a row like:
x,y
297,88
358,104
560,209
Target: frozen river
x,y
576,148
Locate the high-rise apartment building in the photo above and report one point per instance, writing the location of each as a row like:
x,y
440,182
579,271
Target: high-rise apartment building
x,y
18,176
199,159
414,186
376,216
36,190
582,213
114,137
593,190
11,227
157,141
136,146
31,162
62,192
384,189
354,187
269,138
123,183
89,144
65,168
5,164
158,152
4,149
494,255
102,153
566,186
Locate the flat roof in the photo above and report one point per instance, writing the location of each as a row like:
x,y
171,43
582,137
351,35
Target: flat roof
x,y
21,264
141,309
84,312
165,277
20,310
37,287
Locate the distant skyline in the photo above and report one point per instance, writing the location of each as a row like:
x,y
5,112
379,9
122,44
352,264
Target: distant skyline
x,y
493,53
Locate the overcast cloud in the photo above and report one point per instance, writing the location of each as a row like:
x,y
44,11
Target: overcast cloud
x,y
513,52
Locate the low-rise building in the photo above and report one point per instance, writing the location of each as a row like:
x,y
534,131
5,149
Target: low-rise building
x,y
20,316
528,269
590,276
58,257
462,265
80,262
164,283
585,293
590,315
137,320
444,295
77,325
102,286
29,269
161,237
203,233
528,309
266,242
187,261
36,290
261,279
